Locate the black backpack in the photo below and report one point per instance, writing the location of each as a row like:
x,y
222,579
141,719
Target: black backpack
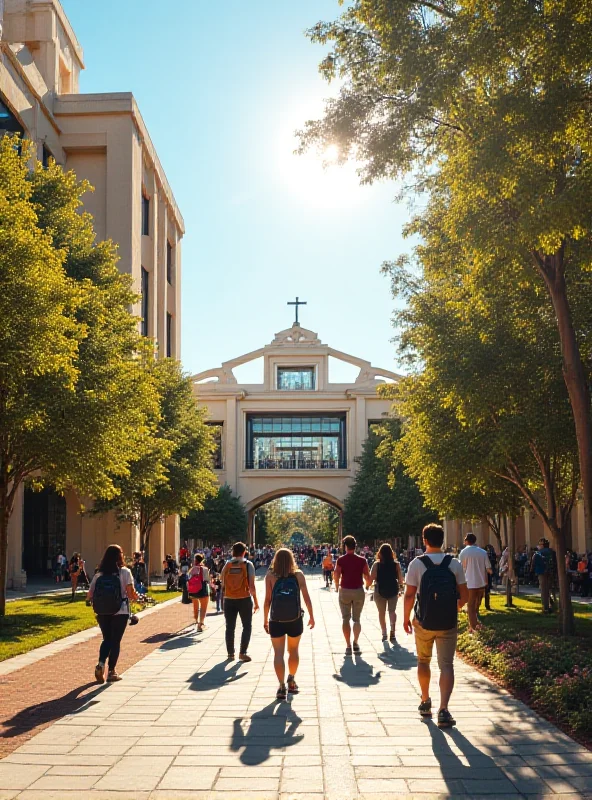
x,y
436,607
107,597
386,580
285,600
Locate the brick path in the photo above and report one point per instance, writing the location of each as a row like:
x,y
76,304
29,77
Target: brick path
x,y
187,724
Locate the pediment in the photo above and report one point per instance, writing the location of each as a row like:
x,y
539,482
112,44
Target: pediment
x,y
296,335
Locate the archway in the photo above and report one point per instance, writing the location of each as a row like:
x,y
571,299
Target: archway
x,y
289,492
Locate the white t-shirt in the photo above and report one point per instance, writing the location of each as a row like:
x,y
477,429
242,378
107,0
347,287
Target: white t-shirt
x,y
417,568
125,576
475,563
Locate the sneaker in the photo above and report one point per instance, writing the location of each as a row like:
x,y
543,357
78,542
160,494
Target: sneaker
x,y
348,651
281,693
244,657
292,685
113,676
356,648
100,673
384,637
425,708
393,638
445,719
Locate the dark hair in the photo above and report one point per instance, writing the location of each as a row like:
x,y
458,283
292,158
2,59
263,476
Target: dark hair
x,y
112,560
545,543
433,535
198,558
385,554
239,549
470,538
349,543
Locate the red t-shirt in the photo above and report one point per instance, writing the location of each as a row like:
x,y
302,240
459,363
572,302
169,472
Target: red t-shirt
x,y
352,569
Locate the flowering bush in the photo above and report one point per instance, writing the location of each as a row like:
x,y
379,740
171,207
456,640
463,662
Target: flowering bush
x,y
552,674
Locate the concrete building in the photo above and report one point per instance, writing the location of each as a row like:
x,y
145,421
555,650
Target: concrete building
x,y
296,432
103,138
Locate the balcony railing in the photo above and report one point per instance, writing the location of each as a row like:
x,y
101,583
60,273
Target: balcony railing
x,y
295,463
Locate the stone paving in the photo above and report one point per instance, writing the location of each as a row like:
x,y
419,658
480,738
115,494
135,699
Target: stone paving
x,y
185,723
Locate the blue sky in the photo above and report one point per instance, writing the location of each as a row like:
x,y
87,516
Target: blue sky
x,y
222,86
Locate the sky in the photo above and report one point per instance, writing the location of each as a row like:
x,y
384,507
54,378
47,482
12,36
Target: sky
x,y
222,86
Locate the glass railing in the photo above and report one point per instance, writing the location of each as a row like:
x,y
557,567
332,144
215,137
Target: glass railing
x,y
295,463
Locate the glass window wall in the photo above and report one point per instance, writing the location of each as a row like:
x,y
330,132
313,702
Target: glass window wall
x,y
296,442
296,379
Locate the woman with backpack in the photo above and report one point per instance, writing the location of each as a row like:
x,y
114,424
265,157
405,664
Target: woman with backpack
x,y
387,576
198,582
283,616
110,592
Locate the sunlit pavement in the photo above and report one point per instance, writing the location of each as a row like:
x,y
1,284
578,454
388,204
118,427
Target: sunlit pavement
x,y
186,723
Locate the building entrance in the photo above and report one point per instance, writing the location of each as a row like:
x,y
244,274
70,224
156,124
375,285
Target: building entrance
x,y
44,534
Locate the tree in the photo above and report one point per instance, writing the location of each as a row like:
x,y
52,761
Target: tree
x,y
64,419
320,520
223,518
173,474
384,502
488,105
487,390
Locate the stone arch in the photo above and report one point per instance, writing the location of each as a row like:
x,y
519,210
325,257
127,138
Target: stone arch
x,y
275,494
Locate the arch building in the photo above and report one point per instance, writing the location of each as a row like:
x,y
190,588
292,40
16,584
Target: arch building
x,y
296,432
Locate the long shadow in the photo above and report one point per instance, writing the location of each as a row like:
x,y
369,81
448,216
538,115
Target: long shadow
x,y
479,766
357,672
216,677
273,727
27,719
396,656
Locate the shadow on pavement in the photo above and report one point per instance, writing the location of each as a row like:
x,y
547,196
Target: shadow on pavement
x,y
273,727
39,713
356,672
218,676
396,656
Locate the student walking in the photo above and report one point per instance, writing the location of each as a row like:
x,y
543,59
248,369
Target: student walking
x,y
284,583
436,583
387,576
75,569
198,581
328,567
240,599
351,571
543,565
477,567
110,592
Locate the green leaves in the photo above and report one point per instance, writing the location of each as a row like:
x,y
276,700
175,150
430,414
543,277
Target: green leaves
x,y
222,518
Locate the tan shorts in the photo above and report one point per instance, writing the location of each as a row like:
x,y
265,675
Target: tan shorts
x,y
384,603
445,645
351,603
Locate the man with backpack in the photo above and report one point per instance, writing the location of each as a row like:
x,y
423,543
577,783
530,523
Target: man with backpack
x,y
543,565
436,585
238,586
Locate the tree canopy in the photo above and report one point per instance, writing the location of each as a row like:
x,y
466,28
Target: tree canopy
x,y
222,519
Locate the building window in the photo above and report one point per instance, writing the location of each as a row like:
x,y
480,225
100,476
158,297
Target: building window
x,y
169,263
217,430
145,215
169,335
296,379
8,122
45,156
296,442
145,300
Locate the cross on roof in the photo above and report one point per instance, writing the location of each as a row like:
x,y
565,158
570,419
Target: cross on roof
x,y
297,303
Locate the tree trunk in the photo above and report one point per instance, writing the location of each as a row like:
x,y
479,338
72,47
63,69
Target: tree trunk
x,y
5,512
566,616
510,535
577,386
495,529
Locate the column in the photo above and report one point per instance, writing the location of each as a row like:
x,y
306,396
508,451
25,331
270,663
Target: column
x,y
233,448
172,535
361,426
16,576
156,548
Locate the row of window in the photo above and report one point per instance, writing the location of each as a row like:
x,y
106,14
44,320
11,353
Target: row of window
x,y
146,311
146,232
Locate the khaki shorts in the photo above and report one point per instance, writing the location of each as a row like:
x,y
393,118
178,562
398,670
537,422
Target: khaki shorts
x,y
351,603
384,603
445,645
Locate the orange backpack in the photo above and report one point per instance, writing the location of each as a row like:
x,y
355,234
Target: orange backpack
x,y
236,580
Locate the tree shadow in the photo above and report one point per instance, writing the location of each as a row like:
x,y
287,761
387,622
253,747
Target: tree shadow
x,y
274,727
357,672
27,719
216,677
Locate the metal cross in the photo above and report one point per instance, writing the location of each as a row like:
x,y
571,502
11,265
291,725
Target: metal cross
x,y
297,303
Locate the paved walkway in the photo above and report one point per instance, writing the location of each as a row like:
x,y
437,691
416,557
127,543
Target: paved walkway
x,y
187,724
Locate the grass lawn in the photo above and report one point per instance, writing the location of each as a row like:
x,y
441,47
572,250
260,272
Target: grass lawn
x,y
521,648
37,621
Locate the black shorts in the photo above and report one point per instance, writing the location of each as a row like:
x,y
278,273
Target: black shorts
x,y
203,592
293,629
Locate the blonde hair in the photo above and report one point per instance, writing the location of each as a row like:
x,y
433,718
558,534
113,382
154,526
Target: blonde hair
x,y
283,563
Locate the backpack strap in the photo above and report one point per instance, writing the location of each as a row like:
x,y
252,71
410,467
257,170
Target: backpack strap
x,y
446,561
426,561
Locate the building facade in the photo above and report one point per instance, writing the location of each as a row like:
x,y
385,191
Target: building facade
x,y
103,138
296,433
